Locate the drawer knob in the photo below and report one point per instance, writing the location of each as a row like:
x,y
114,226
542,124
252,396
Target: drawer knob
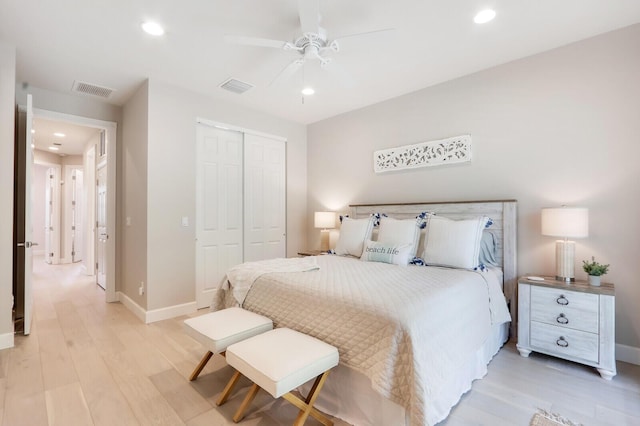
x,y
562,319
562,300
561,342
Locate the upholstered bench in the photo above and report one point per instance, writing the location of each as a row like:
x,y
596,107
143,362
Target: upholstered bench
x,y
217,330
279,361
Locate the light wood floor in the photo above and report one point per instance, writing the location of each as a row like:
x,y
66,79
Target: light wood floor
x,y
87,362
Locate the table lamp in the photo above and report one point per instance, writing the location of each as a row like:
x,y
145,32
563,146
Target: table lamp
x,y
324,221
565,222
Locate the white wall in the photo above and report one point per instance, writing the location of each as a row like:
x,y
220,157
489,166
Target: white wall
x,y
7,128
561,127
171,184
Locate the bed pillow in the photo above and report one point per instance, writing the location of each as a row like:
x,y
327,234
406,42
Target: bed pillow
x,y
397,254
488,249
353,234
395,231
454,243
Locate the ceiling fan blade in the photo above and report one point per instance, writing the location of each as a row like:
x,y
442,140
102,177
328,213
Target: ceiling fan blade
x,y
309,12
256,41
365,34
288,71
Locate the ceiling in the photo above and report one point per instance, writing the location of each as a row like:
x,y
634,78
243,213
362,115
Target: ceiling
x,y
101,43
72,143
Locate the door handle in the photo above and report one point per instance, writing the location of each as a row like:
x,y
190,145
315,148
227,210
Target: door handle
x,y
27,244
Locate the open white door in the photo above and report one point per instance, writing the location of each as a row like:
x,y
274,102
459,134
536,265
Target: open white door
x,y
52,216
28,259
219,214
102,235
77,215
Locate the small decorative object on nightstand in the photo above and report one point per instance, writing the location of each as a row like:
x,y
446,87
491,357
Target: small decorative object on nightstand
x,y
595,270
574,321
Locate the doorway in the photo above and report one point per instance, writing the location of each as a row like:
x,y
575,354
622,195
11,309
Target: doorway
x,y
68,175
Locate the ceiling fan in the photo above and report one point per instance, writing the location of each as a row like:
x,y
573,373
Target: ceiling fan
x,y
312,44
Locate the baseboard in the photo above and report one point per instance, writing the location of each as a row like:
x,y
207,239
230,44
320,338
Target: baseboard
x,y
171,312
156,314
137,310
6,340
628,354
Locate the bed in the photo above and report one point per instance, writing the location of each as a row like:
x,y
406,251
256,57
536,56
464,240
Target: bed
x,y
411,338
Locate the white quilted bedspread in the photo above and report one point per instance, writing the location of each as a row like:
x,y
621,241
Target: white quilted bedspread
x,y
407,328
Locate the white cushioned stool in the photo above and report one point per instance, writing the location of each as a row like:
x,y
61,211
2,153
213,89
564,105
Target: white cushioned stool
x,y
279,361
217,330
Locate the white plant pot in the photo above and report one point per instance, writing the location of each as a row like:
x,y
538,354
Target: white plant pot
x,y
594,280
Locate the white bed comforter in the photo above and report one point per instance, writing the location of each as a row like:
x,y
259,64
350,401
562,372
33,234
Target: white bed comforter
x,y
409,329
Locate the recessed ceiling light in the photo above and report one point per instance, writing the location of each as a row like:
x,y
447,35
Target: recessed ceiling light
x,y
33,145
152,28
308,91
484,16
53,148
59,135
33,130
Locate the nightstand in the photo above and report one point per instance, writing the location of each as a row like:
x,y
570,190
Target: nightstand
x,y
573,321
310,253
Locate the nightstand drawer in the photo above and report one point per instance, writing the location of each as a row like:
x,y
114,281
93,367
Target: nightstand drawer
x,y
565,308
564,342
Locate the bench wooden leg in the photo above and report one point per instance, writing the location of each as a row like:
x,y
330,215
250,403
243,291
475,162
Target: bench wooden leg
x,y
228,388
247,401
306,406
205,359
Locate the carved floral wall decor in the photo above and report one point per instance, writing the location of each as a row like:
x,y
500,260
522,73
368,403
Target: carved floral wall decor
x,y
433,153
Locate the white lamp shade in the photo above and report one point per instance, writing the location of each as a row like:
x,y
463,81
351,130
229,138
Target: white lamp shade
x,y
324,220
566,222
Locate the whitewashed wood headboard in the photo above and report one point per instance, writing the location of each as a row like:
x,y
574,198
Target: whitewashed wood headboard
x,y
502,212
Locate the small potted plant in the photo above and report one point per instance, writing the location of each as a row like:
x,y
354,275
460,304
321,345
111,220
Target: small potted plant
x,y
595,270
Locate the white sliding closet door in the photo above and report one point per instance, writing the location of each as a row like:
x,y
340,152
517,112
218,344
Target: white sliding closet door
x,y
265,203
219,208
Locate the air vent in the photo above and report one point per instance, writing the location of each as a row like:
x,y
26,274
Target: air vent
x,y
236,86
91,89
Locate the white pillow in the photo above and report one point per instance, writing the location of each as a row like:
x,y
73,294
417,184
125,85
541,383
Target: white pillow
x,y
453,243
394,231
353,234
397,254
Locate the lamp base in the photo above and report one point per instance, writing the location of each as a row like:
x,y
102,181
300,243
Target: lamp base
x,y
565,260
324,240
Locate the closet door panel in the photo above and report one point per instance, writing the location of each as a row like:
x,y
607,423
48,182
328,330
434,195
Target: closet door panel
x,y
264,198
219,208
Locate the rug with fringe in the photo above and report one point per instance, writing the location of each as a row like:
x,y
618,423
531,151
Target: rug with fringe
x,y
545,418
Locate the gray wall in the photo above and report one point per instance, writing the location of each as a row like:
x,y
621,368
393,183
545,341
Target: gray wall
x,y
134,175
7,126
561,127
170,186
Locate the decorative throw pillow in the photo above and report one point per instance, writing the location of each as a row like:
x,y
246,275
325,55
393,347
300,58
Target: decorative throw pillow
x,y
454,243
395,231
353,234
397,254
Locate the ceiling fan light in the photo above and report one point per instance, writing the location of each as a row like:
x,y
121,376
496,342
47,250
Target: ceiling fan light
x,y
484,16
308,91
152,28
53,148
